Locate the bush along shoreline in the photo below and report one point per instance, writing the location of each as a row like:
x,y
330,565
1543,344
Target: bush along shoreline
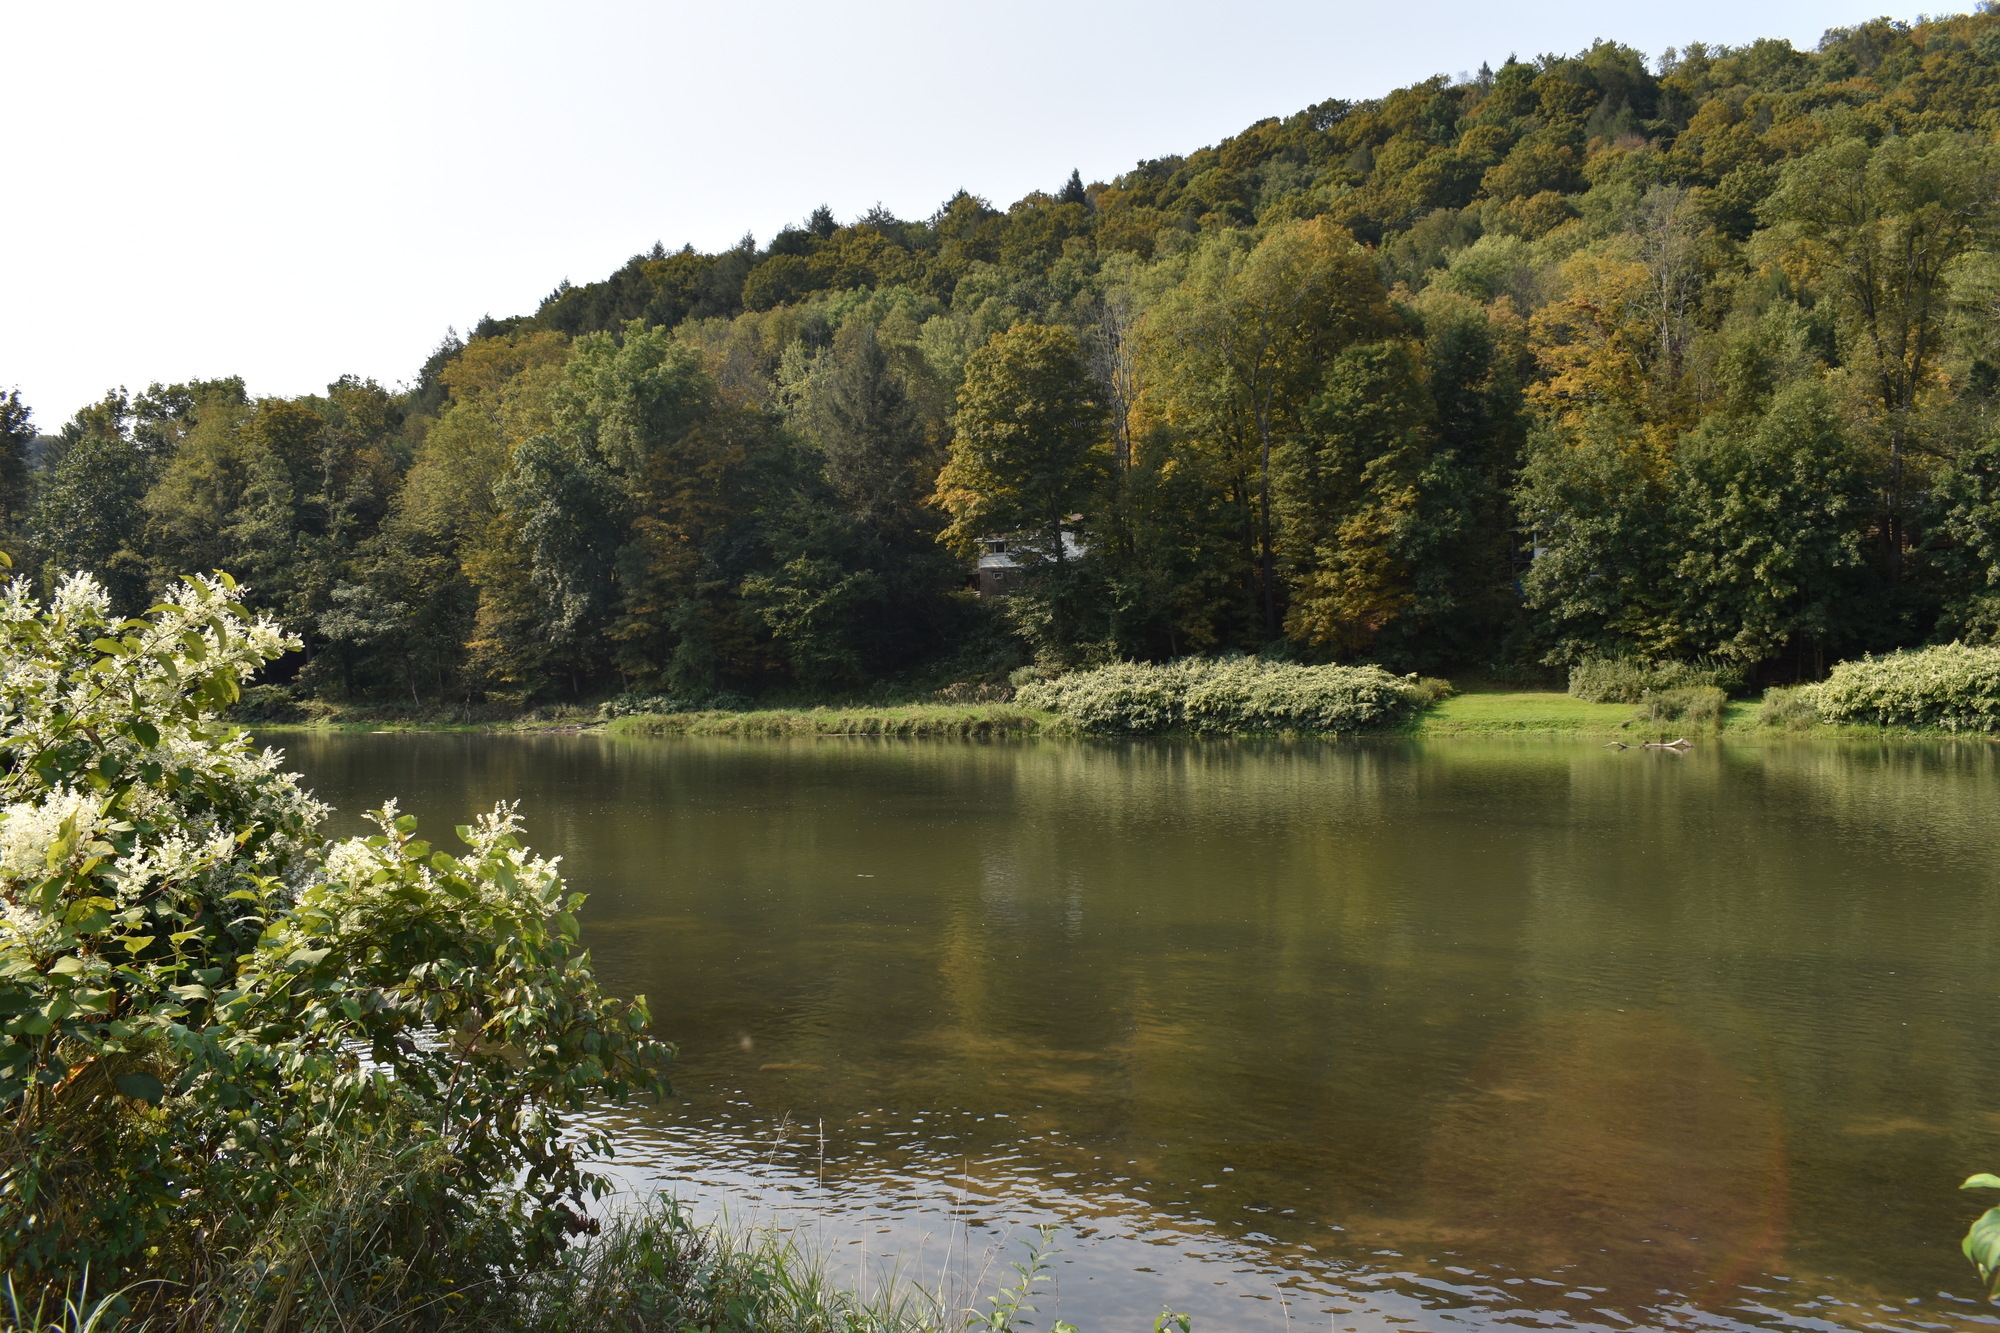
x,y
1952,688
205,1005
1230,697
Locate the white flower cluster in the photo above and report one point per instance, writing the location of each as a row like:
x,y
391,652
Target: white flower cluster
x,y
28,829
1954,687
60,680
351,864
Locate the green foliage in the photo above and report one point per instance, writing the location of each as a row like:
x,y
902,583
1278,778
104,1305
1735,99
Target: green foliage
x,y
17,440
1029,443
1765,535
87,508
1625,680
1573,359
1241,696
1006,1307
1788,708
984,721
1955,687
1982,1238
1688,706
200,999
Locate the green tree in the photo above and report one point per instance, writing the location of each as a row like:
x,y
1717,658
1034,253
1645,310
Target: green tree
x,y
1028,448
1878,228
1347,493
17,442
88,512
1239,345
861,583
1767,531
1595,508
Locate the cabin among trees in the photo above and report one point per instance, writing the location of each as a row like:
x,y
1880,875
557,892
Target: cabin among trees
x,y
1000,569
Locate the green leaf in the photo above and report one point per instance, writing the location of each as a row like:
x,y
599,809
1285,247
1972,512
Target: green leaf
x,y
64,844
407,824
142,1087
1982,1181
110,647
1982,1243
147,735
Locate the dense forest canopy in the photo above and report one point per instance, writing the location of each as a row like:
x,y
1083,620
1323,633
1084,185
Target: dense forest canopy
x,y
1583,356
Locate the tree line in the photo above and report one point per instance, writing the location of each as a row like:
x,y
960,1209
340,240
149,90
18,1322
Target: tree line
x,y
1584,356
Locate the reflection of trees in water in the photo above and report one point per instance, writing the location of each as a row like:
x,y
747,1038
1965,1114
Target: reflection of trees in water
x,y
1617,1151
1325,967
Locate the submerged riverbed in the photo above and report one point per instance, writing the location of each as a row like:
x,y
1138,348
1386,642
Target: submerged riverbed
x,y
1452,1033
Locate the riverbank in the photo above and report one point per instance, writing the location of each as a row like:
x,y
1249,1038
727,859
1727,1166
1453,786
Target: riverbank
x,y
1474,713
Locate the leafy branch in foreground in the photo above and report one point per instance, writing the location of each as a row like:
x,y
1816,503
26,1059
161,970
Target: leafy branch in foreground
x,y
202,999
1982,1238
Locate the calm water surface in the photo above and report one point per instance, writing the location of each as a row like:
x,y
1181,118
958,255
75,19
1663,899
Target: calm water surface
x,y
1437,1035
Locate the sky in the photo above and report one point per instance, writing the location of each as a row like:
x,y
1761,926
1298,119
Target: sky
x,y
292,192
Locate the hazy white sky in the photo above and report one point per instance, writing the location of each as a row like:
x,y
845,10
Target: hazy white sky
x,y
293,191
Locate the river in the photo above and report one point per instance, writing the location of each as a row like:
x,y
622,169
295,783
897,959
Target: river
x,y
1440,1034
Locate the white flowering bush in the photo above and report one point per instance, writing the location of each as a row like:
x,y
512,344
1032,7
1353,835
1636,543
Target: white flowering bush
x,y
201,998
1955,687
1229,696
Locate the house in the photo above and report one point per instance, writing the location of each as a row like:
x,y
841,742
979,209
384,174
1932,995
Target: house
x,y
999,572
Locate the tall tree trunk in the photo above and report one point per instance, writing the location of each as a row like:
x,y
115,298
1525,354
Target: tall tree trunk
x,y
1264,522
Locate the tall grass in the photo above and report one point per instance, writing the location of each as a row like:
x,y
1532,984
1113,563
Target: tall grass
x,y
915,721
1627,680
1692,706
327,1265
1788,708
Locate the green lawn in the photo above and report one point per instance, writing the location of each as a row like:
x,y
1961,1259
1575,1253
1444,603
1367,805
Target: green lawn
x,y
1543,711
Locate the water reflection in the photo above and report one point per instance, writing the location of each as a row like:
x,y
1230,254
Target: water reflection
x,y
1465,1032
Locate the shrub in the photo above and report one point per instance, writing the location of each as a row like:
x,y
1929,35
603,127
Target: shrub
x,y
1790,708
201,999
1689,706
1627,680
1953,688
666,705
974,692
1433,689
917,721
1223,697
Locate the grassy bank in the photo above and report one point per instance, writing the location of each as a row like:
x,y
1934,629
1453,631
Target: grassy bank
x,y
1480,713
650,1270
1520,712
1512,713
912,722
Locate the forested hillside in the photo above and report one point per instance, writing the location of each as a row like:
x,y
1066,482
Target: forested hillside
x,y
1586,356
